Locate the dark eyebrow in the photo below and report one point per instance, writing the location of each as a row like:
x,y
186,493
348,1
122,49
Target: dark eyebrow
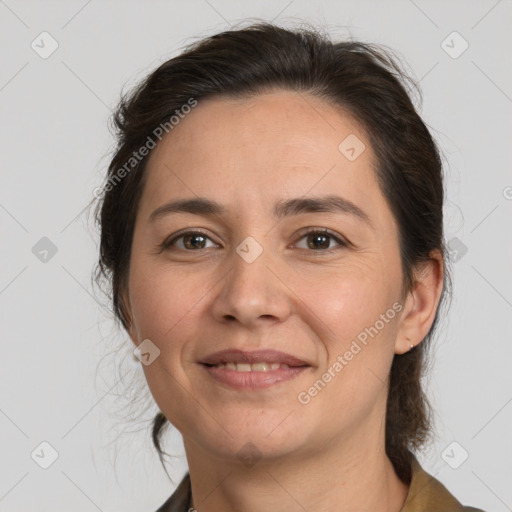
x,y
286,208
328,204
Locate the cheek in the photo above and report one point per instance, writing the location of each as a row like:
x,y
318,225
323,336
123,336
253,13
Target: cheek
x,y
346,300
160,302
355,319
166,310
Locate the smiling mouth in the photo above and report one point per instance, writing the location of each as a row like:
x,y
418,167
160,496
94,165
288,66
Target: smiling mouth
x,y
252,377
251,371
247,367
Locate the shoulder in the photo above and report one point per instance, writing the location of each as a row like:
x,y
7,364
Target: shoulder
x,y
427,494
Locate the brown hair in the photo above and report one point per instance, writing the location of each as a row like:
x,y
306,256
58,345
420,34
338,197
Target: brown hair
x,y
360,78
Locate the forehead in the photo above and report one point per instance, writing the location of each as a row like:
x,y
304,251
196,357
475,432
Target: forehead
x,y
268,147
302,125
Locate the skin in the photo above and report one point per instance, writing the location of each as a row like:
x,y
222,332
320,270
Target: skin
x,y
294,297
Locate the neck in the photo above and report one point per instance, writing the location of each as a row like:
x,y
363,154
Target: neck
x,y
344,476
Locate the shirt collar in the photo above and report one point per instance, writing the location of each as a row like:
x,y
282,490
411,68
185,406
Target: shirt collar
x,y
427,494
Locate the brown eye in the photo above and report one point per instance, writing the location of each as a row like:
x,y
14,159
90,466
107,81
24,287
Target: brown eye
x,y
320,240
189,241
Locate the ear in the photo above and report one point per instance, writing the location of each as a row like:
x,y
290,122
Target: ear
x,y
421,303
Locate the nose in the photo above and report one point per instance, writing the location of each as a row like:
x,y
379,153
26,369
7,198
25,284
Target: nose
x,y
253,293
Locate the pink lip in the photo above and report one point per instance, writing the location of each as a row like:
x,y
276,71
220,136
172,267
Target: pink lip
x,y
257,356
253,380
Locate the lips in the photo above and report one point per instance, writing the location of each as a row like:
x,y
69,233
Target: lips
x,y
269,357
251,371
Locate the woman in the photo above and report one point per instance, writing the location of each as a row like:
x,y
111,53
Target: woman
x,y
271,226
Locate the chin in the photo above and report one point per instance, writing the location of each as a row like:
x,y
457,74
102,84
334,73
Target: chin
x,y
256,439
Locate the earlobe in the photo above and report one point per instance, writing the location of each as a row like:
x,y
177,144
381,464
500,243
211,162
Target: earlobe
x,y
421,304
403,342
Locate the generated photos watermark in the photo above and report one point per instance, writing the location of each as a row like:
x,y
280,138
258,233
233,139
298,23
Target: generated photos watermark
x,y
305,397
143,151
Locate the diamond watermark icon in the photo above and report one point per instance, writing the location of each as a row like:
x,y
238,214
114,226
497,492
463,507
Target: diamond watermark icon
x,y
44,45
249,454
44,249
44,455
454,455
249,249
146,352
351,147
454,45
457,249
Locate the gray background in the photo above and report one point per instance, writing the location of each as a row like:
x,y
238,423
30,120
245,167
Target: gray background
x,y
66,378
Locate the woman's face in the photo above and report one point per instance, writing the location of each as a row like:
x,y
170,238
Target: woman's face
x,y
254,280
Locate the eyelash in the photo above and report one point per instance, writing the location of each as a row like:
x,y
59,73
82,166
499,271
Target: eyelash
x,y
167,244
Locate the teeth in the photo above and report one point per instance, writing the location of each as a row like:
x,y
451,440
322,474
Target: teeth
x,y
255,367
259,367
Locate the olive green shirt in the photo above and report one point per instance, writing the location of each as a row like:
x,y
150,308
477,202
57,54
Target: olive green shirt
x,y
426,494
